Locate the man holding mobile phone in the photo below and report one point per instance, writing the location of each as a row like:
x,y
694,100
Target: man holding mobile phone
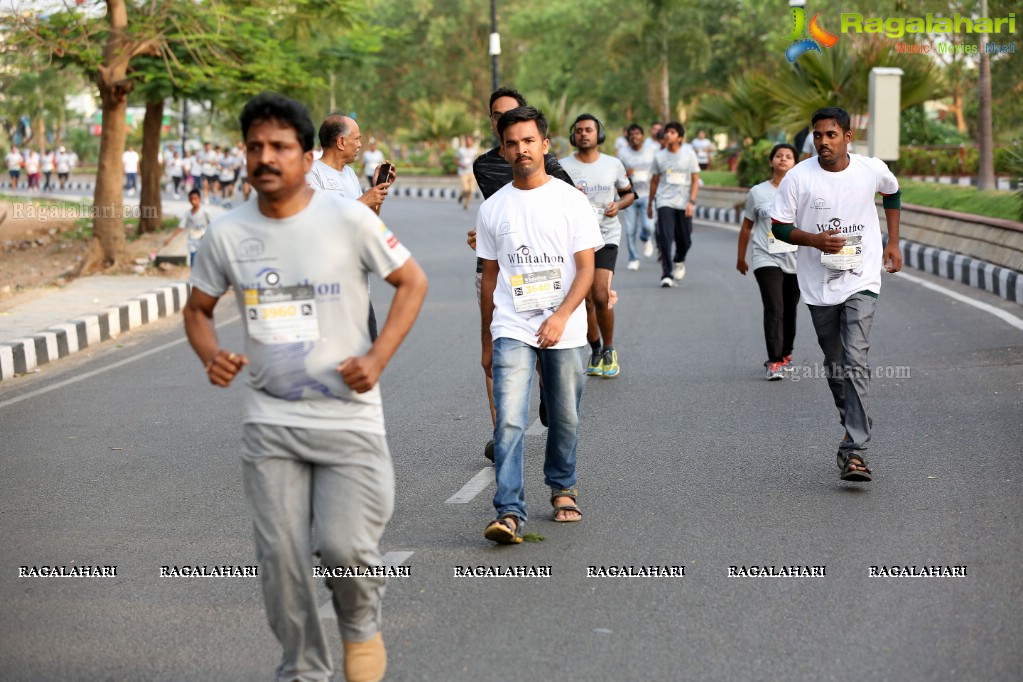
x,y
341,141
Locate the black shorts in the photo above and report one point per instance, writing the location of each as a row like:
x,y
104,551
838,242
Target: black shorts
x,y
211,179
606,257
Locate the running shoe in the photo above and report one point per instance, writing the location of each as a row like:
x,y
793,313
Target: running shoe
x,y
594,369
633,265
786,364
680,271
667,282
610,363
488,450
648,248
774,371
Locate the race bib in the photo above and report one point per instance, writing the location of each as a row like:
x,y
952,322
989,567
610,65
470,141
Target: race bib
x,y
640,176
849,258
775,245
598,211
283,315
537,290
675,177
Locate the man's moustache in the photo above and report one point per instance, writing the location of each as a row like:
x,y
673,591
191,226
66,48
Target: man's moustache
x,y
266,169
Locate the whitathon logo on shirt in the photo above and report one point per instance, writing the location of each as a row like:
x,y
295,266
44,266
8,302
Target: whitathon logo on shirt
x,y
836,224
270,278
524,256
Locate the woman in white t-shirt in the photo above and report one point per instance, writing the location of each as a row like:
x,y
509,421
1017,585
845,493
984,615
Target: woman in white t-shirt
x,y
774,265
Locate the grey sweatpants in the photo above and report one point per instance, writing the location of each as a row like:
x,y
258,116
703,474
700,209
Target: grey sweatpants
x,y
843,332
324,491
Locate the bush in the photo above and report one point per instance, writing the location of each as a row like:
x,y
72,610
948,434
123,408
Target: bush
x,y
447,162
753,167
1012,158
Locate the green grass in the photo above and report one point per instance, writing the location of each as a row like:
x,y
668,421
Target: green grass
x,y
992,203
719,178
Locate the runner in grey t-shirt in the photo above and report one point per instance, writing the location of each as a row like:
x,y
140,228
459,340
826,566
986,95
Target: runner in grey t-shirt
x,y
774,265
602,178
673,185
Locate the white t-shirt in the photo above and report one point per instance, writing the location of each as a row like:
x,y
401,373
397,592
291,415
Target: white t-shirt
x,y
14,161
371,159
639,163
702,148
300,285
600,181
817,200
174,168
534,236
621,142
63,162
759,203
210,161
131,161
676,170
464,158
343,182
46,164
195,226
32,163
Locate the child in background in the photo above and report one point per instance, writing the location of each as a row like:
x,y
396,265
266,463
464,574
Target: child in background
x,y
195,221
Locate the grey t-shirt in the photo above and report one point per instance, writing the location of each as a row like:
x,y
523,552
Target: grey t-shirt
x,y
759,203
676,171
601,181
300,285
639,163
343,182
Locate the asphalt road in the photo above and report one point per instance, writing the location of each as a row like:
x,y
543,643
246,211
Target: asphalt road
x,y
126,456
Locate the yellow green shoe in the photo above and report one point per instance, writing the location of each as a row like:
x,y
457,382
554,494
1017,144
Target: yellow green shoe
x,y
609,363
594,369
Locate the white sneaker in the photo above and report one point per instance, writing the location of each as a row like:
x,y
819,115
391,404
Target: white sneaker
x,y
680,271
666,282
648,248
633,265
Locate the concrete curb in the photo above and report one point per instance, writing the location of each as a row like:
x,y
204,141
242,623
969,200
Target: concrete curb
x,y
430,192
19,356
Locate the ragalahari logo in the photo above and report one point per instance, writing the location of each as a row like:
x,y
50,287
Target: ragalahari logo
x,y
818,36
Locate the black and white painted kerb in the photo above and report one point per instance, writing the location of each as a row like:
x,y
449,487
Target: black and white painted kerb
x,y
18,356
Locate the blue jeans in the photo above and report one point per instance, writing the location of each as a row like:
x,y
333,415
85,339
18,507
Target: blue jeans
x,y
634,222
562,374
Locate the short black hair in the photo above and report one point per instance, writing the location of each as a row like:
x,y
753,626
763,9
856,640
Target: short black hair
x,y
333,127
506,92
634,126
269,106
677,127
841,117
196,193
783,145
587,117
521,115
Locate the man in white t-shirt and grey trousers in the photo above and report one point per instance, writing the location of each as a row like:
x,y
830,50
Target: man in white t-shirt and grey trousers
x,y
315,463
536,238
831,198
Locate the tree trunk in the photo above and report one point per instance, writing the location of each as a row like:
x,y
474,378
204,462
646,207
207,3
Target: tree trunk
x,y
39,133
665,96
986,173
151,214
108,240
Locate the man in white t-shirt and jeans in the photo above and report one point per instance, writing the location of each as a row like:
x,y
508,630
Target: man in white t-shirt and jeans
x,y
604,181
536,237
839,262
316,467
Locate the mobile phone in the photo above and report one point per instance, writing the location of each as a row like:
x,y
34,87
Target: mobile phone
x,y
383,173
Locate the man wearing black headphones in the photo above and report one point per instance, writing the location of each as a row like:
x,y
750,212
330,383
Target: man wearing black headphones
x,y
600,176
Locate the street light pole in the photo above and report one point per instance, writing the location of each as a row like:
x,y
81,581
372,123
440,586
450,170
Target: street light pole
x,y
495,45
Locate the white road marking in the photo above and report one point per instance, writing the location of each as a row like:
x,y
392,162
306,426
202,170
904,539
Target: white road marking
x,y
95,372
474,487
997,312
326,610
